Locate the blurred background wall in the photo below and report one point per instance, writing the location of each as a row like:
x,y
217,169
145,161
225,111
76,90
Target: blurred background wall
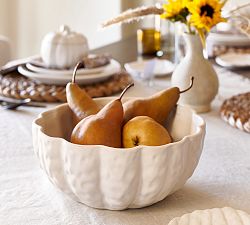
x,y
26,22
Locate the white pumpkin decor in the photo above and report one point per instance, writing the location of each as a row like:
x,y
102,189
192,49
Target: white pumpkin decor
x,y
63,49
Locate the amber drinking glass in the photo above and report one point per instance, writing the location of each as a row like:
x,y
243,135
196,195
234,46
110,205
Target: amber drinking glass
x,y
148,41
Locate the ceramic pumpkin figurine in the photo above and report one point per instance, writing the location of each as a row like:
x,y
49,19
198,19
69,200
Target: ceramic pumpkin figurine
x,y
63,49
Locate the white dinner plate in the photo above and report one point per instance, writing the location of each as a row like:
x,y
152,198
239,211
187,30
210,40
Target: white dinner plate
x,y
35,67
228,39
234,60
214,216
162,67
63,80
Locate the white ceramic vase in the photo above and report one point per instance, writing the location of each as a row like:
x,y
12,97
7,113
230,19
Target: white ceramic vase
x,y
206,84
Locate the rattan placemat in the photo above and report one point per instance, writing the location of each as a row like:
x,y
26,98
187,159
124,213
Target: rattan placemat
x,y
236,111
16,86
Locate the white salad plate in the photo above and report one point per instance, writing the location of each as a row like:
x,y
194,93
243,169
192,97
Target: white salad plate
x,y
214,216
162,67
228,39
234,60
45,78
39,68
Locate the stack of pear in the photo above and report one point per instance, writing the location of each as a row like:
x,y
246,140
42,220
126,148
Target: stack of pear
x,y
157,106
103,128
81,104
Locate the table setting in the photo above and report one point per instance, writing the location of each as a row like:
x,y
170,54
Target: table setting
x,y
43,77
86,139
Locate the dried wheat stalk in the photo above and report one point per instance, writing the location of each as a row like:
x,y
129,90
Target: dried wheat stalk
x,y
138,13
244,25
134,14
236,9
243,21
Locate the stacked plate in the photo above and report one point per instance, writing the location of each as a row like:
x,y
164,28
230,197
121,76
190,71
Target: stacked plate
x,y
224,37
228,39
234,60
238,59
37,71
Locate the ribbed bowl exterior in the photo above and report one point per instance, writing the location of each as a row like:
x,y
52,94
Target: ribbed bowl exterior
x,y
215,216
116,178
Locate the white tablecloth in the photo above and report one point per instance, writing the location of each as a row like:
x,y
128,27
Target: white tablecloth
x,y
222,177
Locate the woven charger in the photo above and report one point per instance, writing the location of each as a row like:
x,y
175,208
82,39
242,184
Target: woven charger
x,y
236,111
16,86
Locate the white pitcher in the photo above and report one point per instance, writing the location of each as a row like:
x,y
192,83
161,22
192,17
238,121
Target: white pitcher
x,y
206,84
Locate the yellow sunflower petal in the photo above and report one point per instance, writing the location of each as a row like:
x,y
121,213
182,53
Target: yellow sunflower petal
x,y
205,13
173,8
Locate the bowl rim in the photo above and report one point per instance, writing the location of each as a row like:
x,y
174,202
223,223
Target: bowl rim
x,y
200,128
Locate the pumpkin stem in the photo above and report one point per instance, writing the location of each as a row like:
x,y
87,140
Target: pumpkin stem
x,y
64,29
78,65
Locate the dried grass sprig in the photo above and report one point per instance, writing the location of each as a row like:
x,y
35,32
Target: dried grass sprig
x,y
236,9
134,14
243,22
140,12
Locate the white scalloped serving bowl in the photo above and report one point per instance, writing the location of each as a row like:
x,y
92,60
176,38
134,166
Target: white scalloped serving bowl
x,y
117,178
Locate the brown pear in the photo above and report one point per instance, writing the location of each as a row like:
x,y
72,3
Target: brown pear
x,y
103,128
78,100
157,106
143,130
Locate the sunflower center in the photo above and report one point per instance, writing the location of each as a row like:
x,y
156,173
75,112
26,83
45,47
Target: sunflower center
x,y
207,10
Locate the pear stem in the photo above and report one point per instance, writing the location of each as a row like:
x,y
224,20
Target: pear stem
x,y
190,86
126,88
78,65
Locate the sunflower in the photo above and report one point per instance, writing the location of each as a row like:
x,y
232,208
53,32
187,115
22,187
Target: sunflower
x,y
175,10
205,13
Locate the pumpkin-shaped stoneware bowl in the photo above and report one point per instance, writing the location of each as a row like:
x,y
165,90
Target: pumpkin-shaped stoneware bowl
x,y
117,178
